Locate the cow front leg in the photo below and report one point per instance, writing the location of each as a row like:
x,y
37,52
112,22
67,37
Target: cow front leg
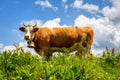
x,y
46,53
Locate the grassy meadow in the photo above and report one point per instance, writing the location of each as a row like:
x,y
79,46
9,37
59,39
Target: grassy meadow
x,y
20,65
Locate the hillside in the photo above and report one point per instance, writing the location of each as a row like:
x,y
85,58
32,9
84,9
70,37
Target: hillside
x,y
20,65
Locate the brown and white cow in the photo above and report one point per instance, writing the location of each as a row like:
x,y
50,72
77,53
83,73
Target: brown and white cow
x,y
43,39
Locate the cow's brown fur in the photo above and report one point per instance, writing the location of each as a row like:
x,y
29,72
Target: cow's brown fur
x,y
46,38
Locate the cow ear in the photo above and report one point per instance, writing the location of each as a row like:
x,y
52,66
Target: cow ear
x,y
35,29
22,29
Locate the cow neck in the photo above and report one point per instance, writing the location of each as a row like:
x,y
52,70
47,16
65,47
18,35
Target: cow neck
x,y
34,38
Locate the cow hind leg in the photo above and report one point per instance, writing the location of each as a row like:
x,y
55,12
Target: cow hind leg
x,y
83,49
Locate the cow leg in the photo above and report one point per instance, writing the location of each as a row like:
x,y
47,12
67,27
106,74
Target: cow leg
x,y
83,48
87,49
46,53
89,53
79,50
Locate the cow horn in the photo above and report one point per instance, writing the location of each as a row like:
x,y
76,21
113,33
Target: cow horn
x,y
24,25
35,24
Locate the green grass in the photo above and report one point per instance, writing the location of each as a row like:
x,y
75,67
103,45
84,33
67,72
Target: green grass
x,y
18,65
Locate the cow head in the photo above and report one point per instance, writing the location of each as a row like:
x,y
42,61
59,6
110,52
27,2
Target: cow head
x,y
29,31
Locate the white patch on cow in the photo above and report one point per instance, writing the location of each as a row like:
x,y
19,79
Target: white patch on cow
x,y
29,31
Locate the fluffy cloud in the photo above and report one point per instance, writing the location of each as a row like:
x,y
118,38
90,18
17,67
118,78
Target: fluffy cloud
x,y
64,1
10,47
88,7
46,4
113,12
52,23
77,4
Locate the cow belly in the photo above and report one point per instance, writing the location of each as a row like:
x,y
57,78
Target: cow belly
x,y
67,45
63,43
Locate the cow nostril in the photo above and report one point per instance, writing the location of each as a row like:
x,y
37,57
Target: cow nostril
x,y
26,37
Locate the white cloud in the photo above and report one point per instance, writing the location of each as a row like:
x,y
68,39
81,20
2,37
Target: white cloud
x,y
113,12
97,52
52,23
115,3
77,4
45,4
83,21
10,47
90,7
116,38
64,1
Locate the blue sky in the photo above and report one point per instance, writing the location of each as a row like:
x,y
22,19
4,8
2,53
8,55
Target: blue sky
x,y
100,14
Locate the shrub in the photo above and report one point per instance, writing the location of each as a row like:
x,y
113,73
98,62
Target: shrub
x,y
20,65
